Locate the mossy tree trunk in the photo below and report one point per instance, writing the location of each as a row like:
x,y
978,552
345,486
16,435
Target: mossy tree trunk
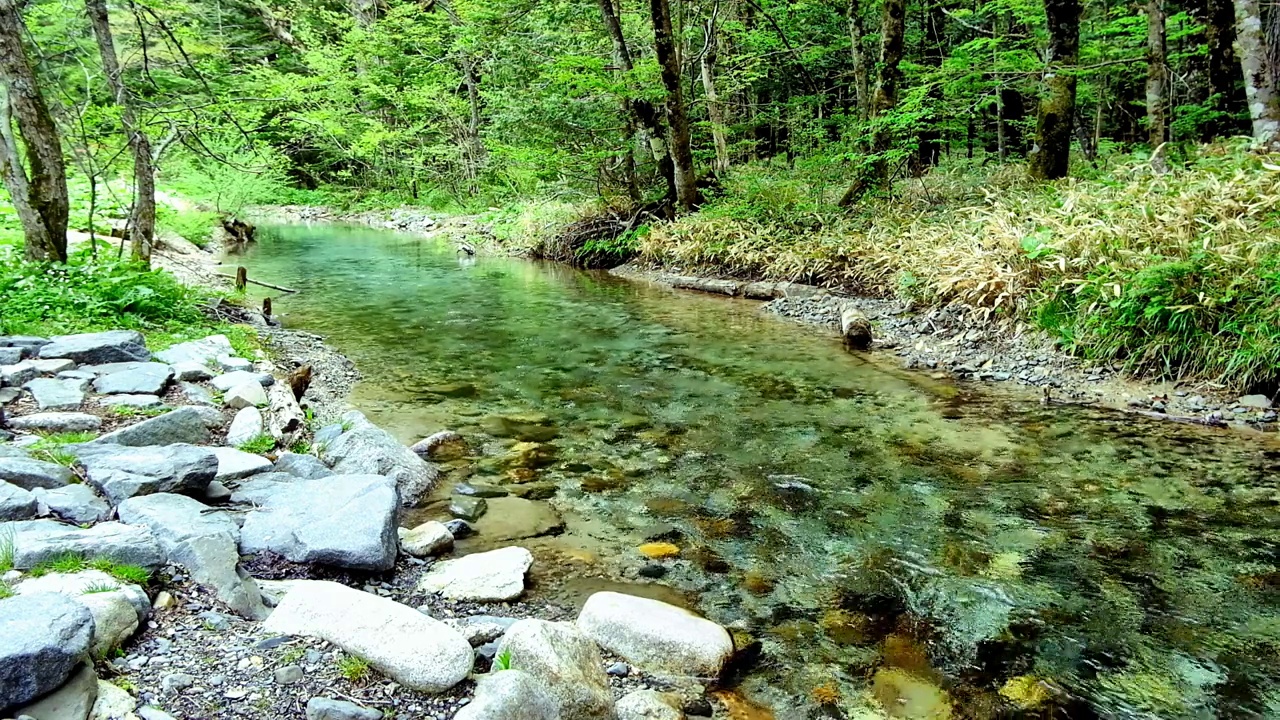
x,y
1052,154
1157,76
681,148
1259,73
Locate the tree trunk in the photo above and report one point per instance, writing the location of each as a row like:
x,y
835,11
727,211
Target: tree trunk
x,y
930,137
142,217
365,12
1157,75
475,150
1052,154
861,78
715,112
892,31
38,190
677,116
1226,95
1259,76
642,114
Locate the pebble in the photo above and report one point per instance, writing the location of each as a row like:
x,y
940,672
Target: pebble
x,y
288,675
618,669
176,682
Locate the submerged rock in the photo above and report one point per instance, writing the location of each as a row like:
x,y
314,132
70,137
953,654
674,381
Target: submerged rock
x,y
511,518
468,508
656,636
407,646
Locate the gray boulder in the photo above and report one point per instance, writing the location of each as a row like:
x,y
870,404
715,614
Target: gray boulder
x,y
131,401
347,521
202,351
55,366
245,426
494,576
202,541
648,705
121,472
196,394
57,422
30,342
19,374
16,503
35,541
235,464
244,395
95,348
76,503
307,467
13,355
57,394
229,363
43,639
511,695
191,371
114,620
145,378
322,708
658,637
9,394
73,701
230,380
30,474
184,425
566,662
366,448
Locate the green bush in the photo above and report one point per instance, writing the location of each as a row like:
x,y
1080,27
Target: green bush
x,y
196,226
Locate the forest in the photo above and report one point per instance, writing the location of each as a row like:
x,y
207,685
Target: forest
x,y
1097,170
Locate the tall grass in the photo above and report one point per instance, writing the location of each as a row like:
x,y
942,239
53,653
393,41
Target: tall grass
x,y
1176,275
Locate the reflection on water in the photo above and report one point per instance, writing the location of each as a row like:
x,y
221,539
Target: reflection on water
x,y
884,541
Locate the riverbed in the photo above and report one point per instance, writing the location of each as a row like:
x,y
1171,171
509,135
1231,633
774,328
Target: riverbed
x,y
867,532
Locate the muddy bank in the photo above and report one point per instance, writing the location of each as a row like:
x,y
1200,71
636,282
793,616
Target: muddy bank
x,y
950,342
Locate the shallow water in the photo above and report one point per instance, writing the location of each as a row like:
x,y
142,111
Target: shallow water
x,y
946,551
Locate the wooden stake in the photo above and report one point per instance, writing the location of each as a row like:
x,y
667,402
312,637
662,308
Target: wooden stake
x,y
242,278
266,307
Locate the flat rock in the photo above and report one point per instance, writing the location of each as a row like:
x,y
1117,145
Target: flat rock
x,y
121,472
429,538
307,467
184,425
191,372
244,395
113,703
56,394
18,374
145,378
35,541
31,342
367,448
9,394
512,518
245,426
230,380
204,542
407,646
230,363
235,464
481,629
30,474
322,708
1260,402
648,705
17,504
346,521
656,636
13,355
131,401
76,503
203,351
494,576
55,366
96,348
43,639
58,422
468,508
73,701
565,662
511,695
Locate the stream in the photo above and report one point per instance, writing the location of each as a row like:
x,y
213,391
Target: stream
x,y
951,551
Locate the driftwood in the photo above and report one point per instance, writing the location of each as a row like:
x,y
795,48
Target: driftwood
x,y
239,232
299,381
285,415
251,281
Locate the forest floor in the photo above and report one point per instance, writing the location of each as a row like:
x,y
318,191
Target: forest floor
x,y
940,341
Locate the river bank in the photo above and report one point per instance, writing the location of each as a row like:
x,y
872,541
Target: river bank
x,y
938,341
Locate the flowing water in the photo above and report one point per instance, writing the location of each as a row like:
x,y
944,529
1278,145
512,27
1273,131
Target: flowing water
x,y
884,542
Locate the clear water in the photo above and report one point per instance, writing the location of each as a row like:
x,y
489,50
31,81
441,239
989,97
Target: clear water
x,y
961,553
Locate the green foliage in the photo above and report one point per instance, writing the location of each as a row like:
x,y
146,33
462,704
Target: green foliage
x,y
6,549
300,447
99,587
127,411
354,669
73,563
6,591
196,226
260,444
502,661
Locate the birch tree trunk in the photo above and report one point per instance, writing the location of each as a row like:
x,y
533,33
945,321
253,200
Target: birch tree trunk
x,y
38,189
677,116
142,217
1259,76
1157,76
715,111
1052,154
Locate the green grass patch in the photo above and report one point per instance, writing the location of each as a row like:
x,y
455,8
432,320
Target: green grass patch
x,y
354,669
6,549
260,444
195,226
73,563
128,411
300,447
5,591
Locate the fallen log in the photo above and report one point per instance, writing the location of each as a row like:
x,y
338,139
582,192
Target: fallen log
x,y
285,415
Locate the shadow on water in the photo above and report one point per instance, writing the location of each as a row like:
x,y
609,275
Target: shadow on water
x,y
884,541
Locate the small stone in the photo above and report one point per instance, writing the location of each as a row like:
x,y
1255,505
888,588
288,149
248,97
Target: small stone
x,y
659,550
479,490
494,576
196,394
176,682
217,680
426,539
248,394
164,600
246,426
288,675
189,371
1258,402
460,529
321,708
213,620
652,571
217,493
230,363
618,669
